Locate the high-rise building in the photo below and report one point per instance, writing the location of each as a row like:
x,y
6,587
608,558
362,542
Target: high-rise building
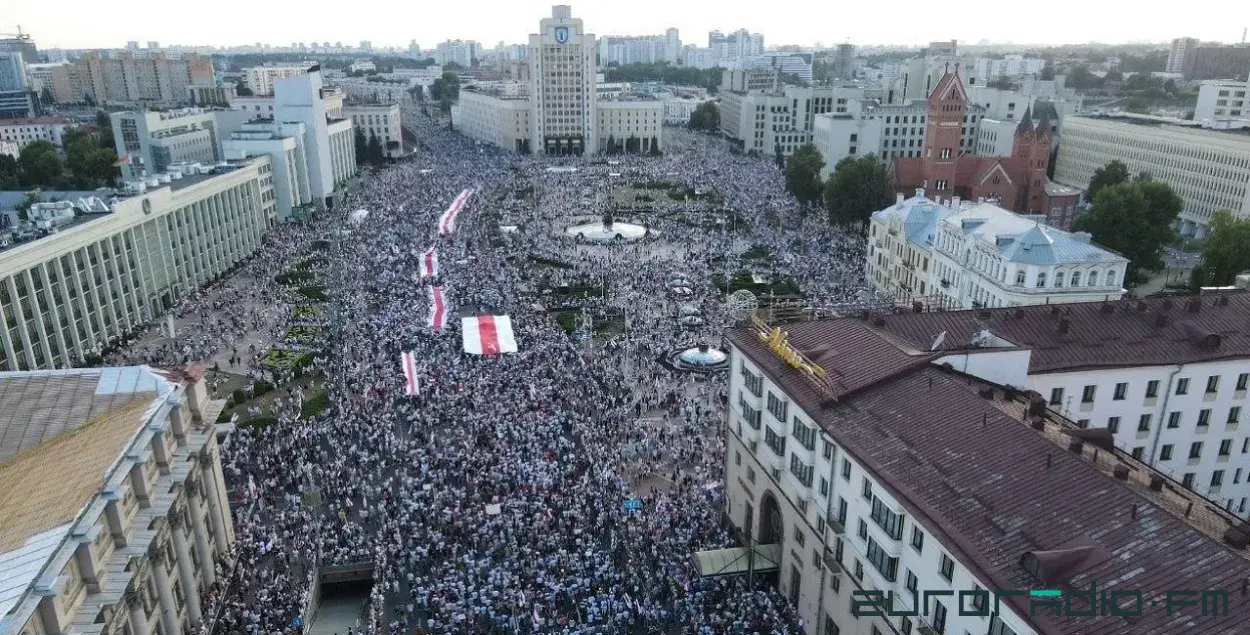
x,y
1181,47
672,46
736,45
329,143
844,62
1218,61
260,79
153,45
126,77
51,80
563,68
22,43
632,49
461,52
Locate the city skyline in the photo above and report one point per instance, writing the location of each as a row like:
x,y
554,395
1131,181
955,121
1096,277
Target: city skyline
x,y
512,22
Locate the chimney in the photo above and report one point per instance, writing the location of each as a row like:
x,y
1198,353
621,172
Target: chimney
x,y
1065,325
1193,306
955,202
920,192
898,199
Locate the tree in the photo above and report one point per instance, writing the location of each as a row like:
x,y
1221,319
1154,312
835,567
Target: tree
x,y
1048,71
1080,77
8,173
1113,75
105,124
857,188
242,90
706,117
1113,173
91,164
1136,220
375,149
1003,82
40,165
655,147
1226,252
803,174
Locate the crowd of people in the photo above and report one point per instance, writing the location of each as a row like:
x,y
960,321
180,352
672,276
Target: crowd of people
x,y
494,500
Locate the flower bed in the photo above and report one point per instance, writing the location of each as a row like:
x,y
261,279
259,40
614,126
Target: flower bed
x,y
316,293
305,334
285,359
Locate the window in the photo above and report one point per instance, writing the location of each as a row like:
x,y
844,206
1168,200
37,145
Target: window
x,y
1237,476
1019,278
1143,423
1082,423
750,474
1226,447
862,532
1195,450
998,628
831,627
754,383
1139,452
749,413
842,512
1152,389
775,441
1234,414
1087,394
1204,417
1041,279
777,407
939,617
1121,391
917,539
737,458
1213,384
799,537
859,570
1182,386
1113,424
886,565
801,470
979,597
885,518
1188,480
827,450
904,627
867,489
1174,419
804,435
1165,454
824,486
846,469
1243,380
1217,478
911,583
947,568
1056,396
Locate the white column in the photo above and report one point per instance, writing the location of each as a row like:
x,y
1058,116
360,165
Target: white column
x,y
138,617
207,569
215,517
190,589
164,591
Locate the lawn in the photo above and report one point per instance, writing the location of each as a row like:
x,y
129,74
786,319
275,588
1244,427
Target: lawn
x,y
285,359
306,334
307,313
314,293
784,286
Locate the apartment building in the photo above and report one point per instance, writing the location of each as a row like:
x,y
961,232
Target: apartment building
x,y
1208,169
977,254
116,515
260,79
55,78
887,487
125,77
381,121
493,117
1222,99
67,296
762,122
23,132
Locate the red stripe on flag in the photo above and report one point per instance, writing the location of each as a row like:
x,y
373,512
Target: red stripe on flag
x,y
487,334
438,308
429,263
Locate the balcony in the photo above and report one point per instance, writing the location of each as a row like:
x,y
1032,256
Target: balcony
x,y
945,283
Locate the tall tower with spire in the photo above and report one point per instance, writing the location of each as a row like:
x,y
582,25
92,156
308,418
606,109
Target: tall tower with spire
x,y
948,106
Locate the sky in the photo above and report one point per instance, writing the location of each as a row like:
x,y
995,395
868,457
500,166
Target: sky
x,y
803,22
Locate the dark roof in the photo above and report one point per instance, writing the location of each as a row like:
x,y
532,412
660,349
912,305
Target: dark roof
x,y
995,491
1026,121
1099,335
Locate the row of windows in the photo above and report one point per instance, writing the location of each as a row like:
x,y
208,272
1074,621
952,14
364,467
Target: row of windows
x,y
1120,392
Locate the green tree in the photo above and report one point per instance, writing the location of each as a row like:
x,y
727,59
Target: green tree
x,y
1048,71
1004,83
1113,173
362,146
88,161
1226,252
1080,77
803,174
655,147
1136,220
104,124
857,188
40,165
706,117
375,149
9,173
242,90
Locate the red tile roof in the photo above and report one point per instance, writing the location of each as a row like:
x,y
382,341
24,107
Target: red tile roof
x,y
1099,335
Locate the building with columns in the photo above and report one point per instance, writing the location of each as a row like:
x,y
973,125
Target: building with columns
x,y
116,515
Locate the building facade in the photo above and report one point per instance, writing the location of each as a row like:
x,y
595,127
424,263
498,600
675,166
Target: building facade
x,y
126,77
1181,48
1217,61
66,297
1222,100
630,125
1208,169
283,143
494,118
260,79
456,52
632,49
23,132
329,141
147,142
766,122
132,545
382,122
913,480
563,69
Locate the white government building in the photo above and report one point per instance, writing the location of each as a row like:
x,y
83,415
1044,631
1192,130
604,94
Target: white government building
x,y
116,513
879,465
565,114
68,295
382,121
963,254
1208,169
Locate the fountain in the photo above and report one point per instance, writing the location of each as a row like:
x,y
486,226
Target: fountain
x,y
606,230
697,359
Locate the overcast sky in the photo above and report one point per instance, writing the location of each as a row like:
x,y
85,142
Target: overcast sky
x,y
95,23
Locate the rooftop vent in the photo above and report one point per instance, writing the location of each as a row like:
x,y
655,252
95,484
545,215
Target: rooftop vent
x,y
898,199
1082,237
1054,310
1236,538
1222,300
1167,305
1106,309
1057,565
1193,306
1203,338
1065,325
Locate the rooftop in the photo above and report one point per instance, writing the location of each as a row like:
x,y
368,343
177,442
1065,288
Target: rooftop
x,y
60,432
1090,335
35,121
961,456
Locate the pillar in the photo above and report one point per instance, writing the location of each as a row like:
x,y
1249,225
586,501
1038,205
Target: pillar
x,y
207,569
209,478
164,591
190,589
138,617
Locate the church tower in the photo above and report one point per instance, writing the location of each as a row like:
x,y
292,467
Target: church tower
x,y
948,106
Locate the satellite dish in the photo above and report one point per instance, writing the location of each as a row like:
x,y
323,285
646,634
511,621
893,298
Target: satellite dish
x,y
937,341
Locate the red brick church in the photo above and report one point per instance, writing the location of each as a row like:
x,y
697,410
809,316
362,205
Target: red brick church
x,y
1019,181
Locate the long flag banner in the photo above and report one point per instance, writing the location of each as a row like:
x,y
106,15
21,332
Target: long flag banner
x,y
409,361
447,224
438,309
488,335
429,263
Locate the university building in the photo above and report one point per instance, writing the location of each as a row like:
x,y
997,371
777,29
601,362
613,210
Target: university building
x,y
915,459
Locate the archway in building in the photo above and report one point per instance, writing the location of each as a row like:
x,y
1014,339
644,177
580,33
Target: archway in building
x,y
772,529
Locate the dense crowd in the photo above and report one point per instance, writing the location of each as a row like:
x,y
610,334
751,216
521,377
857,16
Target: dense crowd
x,y
557,436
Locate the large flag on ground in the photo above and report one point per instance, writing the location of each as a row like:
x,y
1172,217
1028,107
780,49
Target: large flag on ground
x,y
409,362
429,263
488,335
447,224
438,309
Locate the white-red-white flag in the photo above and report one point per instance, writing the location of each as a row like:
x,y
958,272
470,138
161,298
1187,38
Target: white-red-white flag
x,y
438,309
447,224
409,362
488,335
429,263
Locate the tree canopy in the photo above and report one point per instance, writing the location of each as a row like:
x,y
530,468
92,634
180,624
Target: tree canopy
x,y
803,174
706,117
1135,219
1226,252
1113,173
857,188
446,89
87,164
